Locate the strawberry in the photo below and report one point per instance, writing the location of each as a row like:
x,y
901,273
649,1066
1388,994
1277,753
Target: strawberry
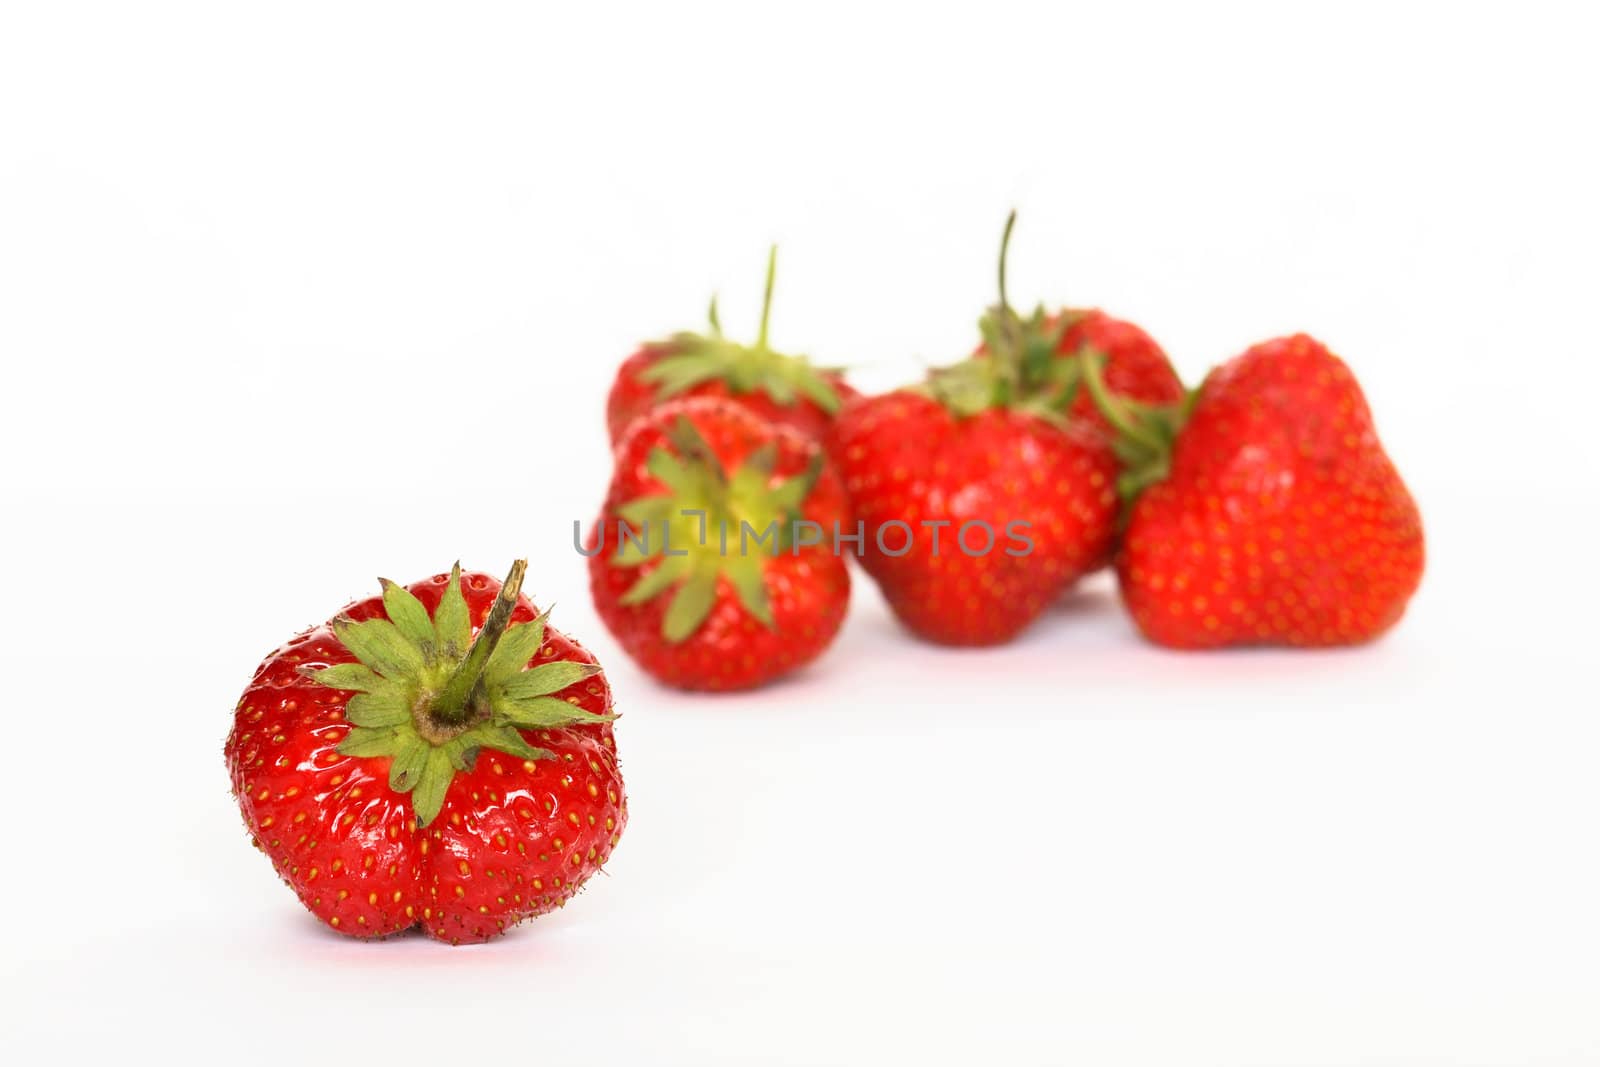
x,y
787,390
1268,512
713,560
974,520
1046,345
1133,366
981,499
438,756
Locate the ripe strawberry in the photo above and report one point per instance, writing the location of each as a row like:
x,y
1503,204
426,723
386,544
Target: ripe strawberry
x,y
714,585
978,449
919,465
1270,514
400,771
786,390
1133,366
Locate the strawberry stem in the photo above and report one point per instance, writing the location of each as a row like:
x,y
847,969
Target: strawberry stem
x,y
766,299
1005,245
460,692
1008,354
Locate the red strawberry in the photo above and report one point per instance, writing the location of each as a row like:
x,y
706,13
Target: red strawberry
x,y
1275,516
400,771
734,593
982,500
1133,366
786,390
939,486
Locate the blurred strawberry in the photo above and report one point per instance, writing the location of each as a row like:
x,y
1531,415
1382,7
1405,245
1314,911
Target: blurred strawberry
x,y
981,498
786,390
1265,511
714,585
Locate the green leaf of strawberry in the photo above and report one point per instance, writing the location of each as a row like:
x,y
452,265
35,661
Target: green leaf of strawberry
x,y
788,390
426,692
690,522
689,359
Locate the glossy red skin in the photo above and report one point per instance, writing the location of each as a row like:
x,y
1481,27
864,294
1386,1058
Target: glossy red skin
x,y
514,839
1135,368
630,398
808,591
905,456
1282,521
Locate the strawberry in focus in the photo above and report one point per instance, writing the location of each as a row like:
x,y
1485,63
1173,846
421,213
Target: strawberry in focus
x,y
982,500
784,389
1265,510
437,757
698,562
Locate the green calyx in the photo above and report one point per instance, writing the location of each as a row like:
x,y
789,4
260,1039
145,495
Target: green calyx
x,y
430,696
1019,368
710,524
689,359
1022,368
1145,433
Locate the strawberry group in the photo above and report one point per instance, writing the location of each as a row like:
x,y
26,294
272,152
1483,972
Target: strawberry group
x,y
712,561
439,757
1259,510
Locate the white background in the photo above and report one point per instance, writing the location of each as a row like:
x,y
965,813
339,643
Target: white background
x,y
292,297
